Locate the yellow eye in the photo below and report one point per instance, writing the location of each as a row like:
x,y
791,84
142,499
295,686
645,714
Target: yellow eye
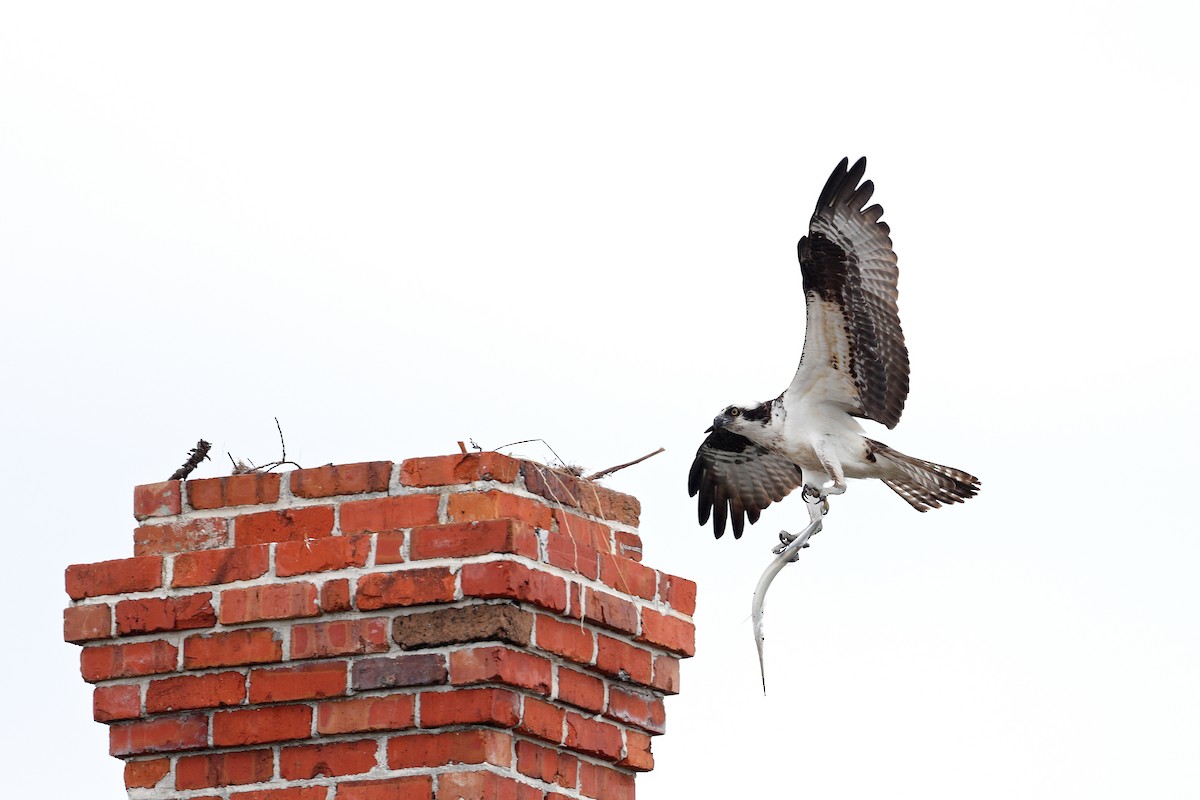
x,y
734,411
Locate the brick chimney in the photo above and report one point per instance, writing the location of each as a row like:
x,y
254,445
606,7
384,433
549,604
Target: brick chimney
x,y
467,626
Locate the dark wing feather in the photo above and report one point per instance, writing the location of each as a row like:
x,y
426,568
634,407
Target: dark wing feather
x,y
736,479
854,349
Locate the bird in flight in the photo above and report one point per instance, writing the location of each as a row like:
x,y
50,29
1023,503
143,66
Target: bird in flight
x,y
853,364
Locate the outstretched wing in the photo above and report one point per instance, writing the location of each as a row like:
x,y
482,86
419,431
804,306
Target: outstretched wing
x,y
737,479
854,355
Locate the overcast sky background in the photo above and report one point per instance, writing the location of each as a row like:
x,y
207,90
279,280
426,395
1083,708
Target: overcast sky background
x,y
399,227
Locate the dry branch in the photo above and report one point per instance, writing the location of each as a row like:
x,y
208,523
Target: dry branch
x,y
195,456
605,472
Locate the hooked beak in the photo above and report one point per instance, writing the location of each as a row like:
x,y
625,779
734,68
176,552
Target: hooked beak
x,y
719,422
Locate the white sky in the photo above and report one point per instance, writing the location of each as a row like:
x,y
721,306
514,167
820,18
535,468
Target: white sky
x,y
395,229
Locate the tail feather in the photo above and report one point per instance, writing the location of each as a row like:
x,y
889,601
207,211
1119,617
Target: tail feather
x,y
923,484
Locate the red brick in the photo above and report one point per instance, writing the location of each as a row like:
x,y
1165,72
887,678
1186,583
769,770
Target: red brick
x,y
391,712
509,579
207,567
463,539
547,764
585,531
321,555
224,769
186,692
669,633
161,735
621,660
628,577
618,507
469,707
457,469
680,593
146,774
637,752
452,747
501,665
301,682
156,500
114,577
327,760
419,669
590,497
627,545
414,787
409,587
604,783
565,552
646,712
247,646
574,600
483,785
610,611
579,689
553,484
593,737
340,638
389,513
335,595
287,525
269,601
83,623
261,725
666,674
208,533
467,506
261,488
127,660
389,547
294,793
332,480
567,639
541,719
151,614
123,701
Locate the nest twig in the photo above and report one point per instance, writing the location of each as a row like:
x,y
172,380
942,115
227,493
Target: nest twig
x,y
246,467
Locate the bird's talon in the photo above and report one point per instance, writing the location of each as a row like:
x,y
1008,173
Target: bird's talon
x,y
785,541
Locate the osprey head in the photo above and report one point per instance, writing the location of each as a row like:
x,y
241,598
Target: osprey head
x,y
745,420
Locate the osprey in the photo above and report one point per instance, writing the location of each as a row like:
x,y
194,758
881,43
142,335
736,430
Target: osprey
x,y
853,364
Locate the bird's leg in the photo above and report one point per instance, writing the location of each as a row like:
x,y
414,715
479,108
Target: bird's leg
x,y
832,467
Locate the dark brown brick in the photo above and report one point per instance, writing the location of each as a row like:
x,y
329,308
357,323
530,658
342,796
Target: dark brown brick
x,y
504,622
422,669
